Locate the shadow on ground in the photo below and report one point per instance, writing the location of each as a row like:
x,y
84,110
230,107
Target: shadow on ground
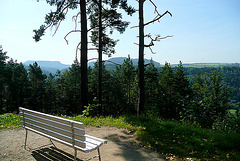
x,y
52,153
130,151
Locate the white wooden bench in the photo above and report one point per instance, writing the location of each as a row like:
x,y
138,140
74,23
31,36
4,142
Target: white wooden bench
x,y
68,132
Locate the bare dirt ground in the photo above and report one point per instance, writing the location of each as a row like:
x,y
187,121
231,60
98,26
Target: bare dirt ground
x,y
120,147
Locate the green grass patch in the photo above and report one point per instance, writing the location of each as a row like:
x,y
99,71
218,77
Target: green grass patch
x,y
169,138
9,121
184,140
119,122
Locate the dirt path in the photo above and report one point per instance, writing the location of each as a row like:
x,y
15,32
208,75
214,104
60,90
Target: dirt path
x,y
118,148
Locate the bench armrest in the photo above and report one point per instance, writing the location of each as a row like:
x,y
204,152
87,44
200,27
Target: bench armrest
x,y
96,139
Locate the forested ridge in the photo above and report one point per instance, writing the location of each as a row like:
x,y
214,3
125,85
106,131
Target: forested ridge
x,y
202,95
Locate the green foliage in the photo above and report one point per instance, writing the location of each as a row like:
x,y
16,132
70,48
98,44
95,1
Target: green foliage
x,y
174,93
111,20
168,93
211,100
124,76
229,124
37,87
54,18
91,110
3,77
39,33
151,86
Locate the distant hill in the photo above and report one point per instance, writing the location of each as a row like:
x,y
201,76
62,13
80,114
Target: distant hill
x,y
210,64
52,66
48,66
120,60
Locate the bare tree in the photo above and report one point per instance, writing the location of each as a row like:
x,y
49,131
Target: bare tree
x,y
141,101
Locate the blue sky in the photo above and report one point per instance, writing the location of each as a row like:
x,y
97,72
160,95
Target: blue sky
x,y
205,31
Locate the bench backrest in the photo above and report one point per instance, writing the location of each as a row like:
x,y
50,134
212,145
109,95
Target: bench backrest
x,y
66,131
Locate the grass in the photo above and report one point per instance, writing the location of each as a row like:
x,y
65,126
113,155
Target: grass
x,y
119,122
177,140
9,121
184,140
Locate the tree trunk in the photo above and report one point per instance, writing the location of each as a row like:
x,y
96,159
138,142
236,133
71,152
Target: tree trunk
x,y
141,60
100,58
84,75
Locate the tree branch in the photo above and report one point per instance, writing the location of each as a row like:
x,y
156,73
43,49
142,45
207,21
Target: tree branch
x,y
59,23
77,48
74,18
65,37
157,38
52,20
159,17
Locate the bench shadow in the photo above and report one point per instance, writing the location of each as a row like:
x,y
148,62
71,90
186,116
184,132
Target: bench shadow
x,y
132,151
52,153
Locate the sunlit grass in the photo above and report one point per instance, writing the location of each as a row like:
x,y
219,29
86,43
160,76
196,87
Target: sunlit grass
x,y
119,122
183,140
9,121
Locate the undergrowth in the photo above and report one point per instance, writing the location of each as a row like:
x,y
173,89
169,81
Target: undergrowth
x,y
178,140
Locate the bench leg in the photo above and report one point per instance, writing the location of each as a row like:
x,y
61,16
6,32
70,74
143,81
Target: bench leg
x,y
53,143
75,154
99,154
25,139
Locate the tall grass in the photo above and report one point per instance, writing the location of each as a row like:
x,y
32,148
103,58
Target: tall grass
x,y
177,140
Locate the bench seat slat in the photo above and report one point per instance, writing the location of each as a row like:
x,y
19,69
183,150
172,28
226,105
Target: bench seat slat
x,y
94,138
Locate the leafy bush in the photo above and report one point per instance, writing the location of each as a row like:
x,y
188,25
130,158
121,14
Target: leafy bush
x,y
91,110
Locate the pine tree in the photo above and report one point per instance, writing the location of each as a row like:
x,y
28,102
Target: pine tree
x,y
37,87
20,87
124,76
212,98
151,85
182,91
167,99
3,59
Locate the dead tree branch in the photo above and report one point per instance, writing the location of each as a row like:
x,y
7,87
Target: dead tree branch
x,y
65,37
74,18
157,38
158,18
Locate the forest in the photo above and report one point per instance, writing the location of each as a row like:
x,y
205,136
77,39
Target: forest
x,y
201,95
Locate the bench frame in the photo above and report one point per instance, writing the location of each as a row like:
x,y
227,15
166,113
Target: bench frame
x,y
68,132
